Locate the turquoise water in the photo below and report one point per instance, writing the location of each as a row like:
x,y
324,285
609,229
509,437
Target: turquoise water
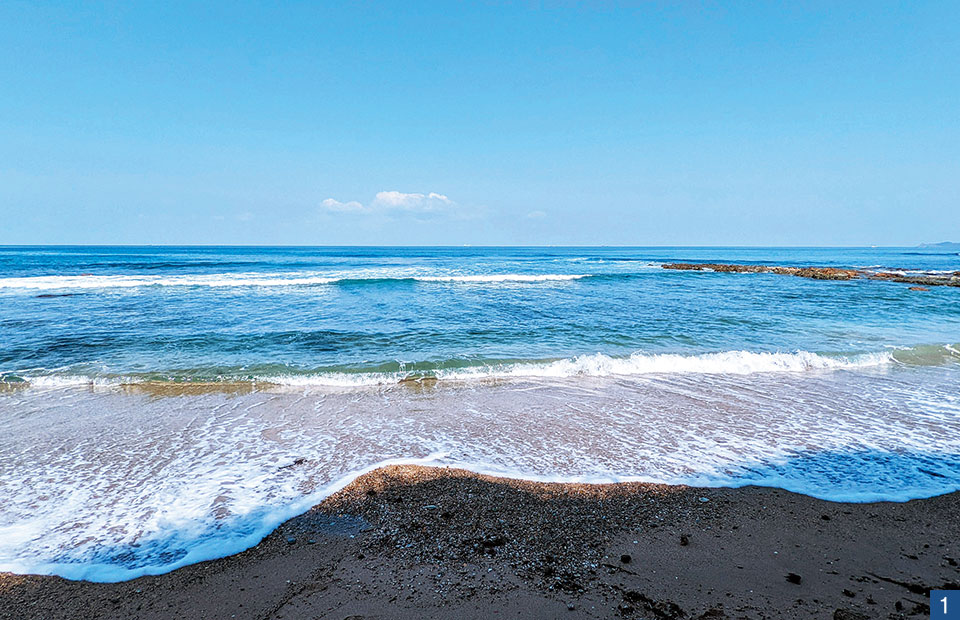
x,y
161,392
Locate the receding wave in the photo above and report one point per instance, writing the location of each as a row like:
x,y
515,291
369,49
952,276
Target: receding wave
x,y
88,281
596,365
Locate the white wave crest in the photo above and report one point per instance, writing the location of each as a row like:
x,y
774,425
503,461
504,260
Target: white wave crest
x,y
212,280
600,365
597,365
56,381
727,362
257,279
506,277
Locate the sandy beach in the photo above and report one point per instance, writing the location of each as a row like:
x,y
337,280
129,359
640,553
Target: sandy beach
x,y
418,542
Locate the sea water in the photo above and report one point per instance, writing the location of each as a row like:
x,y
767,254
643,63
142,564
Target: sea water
x,y
163,406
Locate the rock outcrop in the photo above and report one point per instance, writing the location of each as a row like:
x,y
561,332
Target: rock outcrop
x,y
824,273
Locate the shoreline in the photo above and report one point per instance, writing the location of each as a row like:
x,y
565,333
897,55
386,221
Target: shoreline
x,y
410,541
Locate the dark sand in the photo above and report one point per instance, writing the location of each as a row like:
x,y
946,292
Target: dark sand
x,y
415,542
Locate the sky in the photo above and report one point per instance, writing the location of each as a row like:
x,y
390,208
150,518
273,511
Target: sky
x,y
484,123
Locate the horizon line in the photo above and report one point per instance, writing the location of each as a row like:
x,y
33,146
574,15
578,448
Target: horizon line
x,y
250,245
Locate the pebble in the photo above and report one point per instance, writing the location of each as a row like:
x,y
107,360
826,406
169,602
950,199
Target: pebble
x,y
625,558
291,540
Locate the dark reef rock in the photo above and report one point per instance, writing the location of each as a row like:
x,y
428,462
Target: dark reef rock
x,y
816,273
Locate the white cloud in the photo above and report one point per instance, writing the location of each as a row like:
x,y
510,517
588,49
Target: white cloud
x,y
421,203
394,202
341,207
536,214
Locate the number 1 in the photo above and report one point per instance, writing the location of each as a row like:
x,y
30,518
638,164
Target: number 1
x,y
944,601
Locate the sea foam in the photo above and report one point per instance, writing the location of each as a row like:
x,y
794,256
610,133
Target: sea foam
x,y
596,365
727,362
262,279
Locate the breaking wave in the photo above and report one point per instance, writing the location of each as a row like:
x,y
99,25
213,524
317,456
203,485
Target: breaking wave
x,y
596,365
88,281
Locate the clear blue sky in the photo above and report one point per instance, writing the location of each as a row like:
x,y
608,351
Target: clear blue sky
x,y
834,123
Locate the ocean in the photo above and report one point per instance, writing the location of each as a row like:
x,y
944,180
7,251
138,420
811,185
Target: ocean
x,y
166,405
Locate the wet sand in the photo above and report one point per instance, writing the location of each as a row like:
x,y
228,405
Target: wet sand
x,y
418,542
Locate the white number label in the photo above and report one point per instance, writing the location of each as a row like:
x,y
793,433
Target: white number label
x,y
944,601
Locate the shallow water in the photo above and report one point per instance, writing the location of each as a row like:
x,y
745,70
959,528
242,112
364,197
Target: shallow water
x,y
154,410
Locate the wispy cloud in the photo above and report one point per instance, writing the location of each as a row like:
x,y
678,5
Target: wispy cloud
x,y
394,202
